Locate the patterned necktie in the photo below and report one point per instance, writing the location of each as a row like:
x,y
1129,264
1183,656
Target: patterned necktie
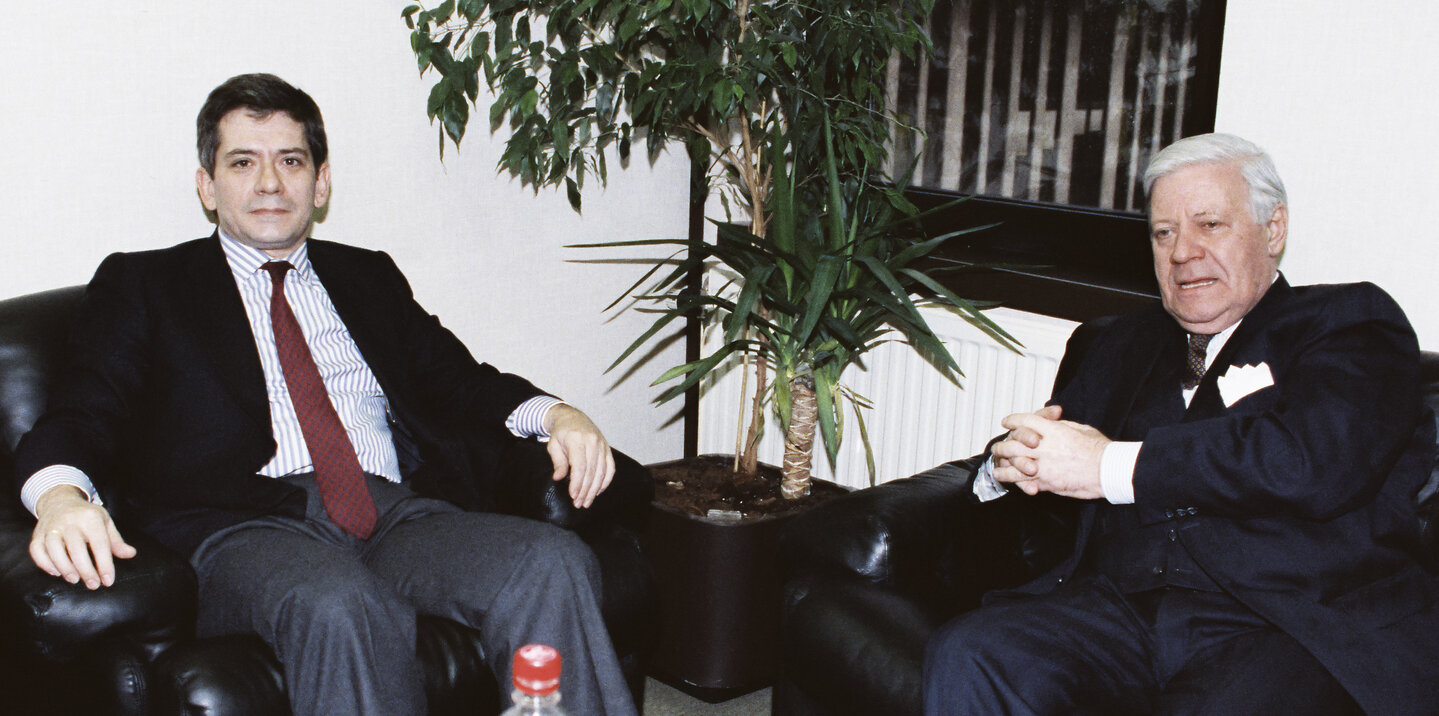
x,y
1194,367
337,470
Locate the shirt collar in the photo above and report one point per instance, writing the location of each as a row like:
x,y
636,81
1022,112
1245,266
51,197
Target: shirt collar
x,y
1216,343
245,261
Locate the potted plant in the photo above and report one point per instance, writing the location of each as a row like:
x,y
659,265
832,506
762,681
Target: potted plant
x,y
781,104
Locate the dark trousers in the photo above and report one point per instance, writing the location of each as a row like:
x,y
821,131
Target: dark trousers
x,y
1086,648
340,612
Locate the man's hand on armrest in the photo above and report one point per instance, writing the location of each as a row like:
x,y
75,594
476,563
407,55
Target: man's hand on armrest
x,y
579,449
76,539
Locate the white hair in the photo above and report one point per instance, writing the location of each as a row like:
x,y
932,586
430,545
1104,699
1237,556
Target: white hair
x,y
1266,189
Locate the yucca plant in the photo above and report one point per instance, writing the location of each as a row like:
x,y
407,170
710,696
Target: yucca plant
x,y
808,301
782,102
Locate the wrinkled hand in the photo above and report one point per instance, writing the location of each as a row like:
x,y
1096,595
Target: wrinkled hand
x,y
1026,437
1045,454
76,540
578,449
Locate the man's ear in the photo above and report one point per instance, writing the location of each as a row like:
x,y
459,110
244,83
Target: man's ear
x,y
205,186
1277,231
322,185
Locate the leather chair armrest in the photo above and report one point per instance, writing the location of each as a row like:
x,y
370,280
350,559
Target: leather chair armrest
x,y
855,648
880,533
526,489
928,537
150,606
629,598
234,674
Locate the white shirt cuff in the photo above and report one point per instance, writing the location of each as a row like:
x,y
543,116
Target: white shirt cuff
x,y
986,488
54,476
528,420
1116,471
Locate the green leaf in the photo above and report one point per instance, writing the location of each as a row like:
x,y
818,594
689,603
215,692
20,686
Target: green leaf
x,y
749,297
824,395
455,115
658,325
420,44
473,10
968,311
439,94
817,300
693,373
527,104
888,280
572,192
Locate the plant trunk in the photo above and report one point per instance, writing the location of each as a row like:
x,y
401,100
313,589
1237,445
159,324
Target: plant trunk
x,y
799,439
747,464
749,456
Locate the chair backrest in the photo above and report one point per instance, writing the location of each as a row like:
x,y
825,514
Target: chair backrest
x,y
1429,495
33,331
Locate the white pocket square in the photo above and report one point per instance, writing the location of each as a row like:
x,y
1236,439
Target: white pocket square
x,y
1241,380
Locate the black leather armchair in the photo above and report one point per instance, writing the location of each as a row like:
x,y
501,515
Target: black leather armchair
x,y
130,649
872,574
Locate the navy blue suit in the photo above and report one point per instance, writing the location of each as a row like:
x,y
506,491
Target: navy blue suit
x,y
1298,500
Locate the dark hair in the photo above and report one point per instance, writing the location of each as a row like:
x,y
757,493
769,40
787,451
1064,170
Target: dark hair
x,y
262,95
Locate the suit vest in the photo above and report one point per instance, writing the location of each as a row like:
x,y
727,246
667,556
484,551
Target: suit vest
x,y
1135,556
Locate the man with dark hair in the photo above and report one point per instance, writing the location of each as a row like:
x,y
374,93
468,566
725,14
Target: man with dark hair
x,y
266,401
1247,457
260,94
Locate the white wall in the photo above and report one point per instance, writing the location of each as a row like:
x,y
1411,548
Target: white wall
x,y
1343,96
97,136
97,118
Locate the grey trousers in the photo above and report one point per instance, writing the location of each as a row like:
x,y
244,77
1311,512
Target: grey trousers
x,y
340,612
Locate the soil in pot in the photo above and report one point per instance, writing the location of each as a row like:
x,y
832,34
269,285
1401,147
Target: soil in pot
x,y
707,485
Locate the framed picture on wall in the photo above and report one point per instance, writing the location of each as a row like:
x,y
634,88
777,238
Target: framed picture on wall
x,y
1046,112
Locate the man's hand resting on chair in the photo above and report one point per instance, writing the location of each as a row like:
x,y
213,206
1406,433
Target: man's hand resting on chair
x,y
579,450
75,539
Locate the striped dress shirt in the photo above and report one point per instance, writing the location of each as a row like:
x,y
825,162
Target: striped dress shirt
x,y
353,388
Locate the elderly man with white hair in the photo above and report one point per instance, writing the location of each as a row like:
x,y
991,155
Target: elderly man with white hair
x,y
1246,458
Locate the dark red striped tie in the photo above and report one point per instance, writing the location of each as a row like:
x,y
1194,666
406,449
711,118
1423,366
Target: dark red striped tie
x,y
337,470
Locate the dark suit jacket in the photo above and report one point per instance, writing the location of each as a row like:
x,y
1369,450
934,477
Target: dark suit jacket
x,y
1299,499
163,401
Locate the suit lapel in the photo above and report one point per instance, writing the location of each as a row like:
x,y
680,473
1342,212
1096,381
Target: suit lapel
x,y
1207,401
359,308
1149,367
1159,400
209,308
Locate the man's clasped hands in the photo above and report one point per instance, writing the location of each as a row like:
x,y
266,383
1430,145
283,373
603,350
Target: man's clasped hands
x,y
1043,453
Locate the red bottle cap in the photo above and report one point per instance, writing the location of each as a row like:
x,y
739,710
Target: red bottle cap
x,y
537,669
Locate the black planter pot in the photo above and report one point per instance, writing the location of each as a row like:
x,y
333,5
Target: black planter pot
x,y
719,587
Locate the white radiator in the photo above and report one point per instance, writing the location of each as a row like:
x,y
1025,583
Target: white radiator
x,y
919,419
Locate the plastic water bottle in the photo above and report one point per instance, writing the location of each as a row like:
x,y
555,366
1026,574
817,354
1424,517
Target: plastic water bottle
x,y
537,682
